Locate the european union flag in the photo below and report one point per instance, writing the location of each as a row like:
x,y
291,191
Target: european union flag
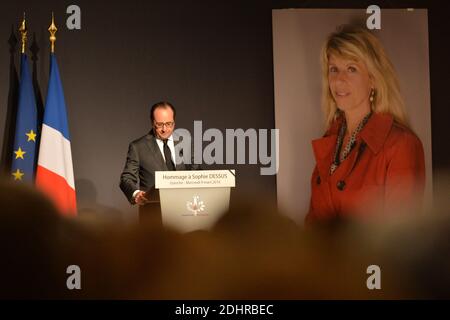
x,y
26,136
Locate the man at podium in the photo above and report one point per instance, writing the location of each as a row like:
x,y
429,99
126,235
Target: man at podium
x,y
152,152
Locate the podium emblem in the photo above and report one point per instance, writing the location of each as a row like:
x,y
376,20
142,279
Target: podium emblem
x,y
195,206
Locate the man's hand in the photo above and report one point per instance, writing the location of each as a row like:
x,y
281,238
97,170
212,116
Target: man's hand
x,y
140,198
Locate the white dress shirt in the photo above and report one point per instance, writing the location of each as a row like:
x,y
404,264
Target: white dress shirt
x,y
171,145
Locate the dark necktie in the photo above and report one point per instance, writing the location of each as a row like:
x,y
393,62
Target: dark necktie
x,y
168,156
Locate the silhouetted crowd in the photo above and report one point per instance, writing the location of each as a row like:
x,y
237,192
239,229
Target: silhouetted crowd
x,y
254,252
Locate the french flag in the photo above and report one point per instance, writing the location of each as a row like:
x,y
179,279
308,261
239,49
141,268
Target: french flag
x,y
54,175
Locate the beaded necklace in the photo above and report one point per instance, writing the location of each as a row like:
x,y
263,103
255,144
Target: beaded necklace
x,y
350,144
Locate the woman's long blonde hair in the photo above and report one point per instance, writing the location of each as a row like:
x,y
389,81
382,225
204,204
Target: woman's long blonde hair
x,y
357,43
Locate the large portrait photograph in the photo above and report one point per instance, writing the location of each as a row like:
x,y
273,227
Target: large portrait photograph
x,y
353,107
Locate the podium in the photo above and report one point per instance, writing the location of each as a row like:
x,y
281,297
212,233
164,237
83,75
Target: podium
x,y
193,200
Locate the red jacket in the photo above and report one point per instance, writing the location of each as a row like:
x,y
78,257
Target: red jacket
x,y
385,168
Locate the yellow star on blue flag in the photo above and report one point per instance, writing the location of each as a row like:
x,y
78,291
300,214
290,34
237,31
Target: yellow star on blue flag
x,y
20,153
18,175
31,136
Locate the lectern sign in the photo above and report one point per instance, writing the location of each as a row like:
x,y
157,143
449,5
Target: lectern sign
x,y
193,200
195,179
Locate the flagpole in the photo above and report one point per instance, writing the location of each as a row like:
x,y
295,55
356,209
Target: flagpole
x,y
52,29
23,32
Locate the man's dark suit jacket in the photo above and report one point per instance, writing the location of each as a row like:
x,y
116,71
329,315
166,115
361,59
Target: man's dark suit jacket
x,y
143,159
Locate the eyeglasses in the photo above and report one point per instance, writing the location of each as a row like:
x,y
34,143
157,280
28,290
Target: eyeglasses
x,y
159,125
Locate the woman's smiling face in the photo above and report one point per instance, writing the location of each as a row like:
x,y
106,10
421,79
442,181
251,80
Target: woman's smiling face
x,y
349,82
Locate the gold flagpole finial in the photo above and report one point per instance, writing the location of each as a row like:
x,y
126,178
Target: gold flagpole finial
x,y
23,32
52,29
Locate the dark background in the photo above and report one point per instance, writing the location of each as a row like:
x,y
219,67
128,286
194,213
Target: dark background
x,y
211,59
